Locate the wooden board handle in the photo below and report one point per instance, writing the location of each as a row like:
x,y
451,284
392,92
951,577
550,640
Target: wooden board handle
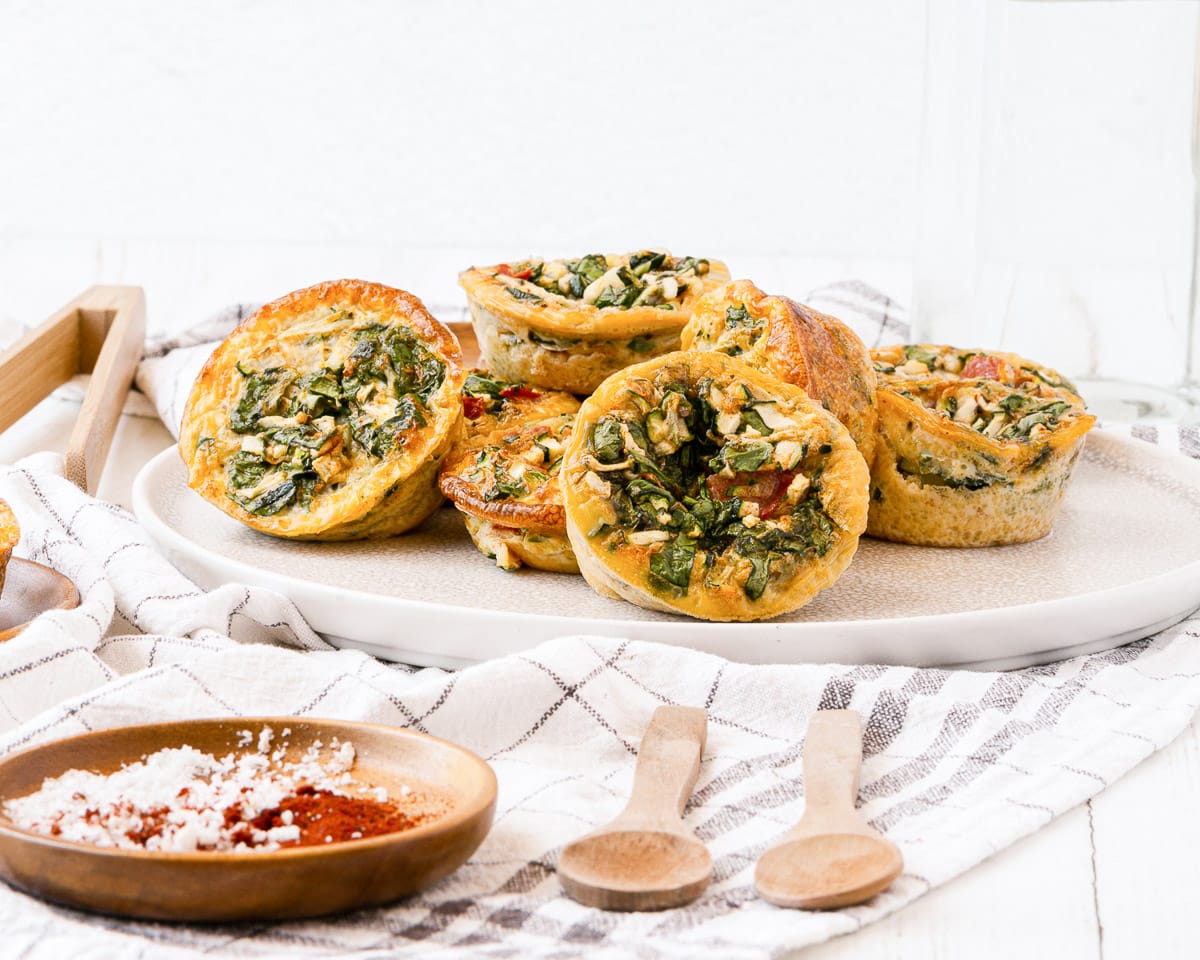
x,y
667,767
102,332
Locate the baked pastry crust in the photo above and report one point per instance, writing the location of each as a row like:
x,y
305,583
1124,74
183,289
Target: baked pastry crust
x,y
696,484
972,462
507,486
816,352
325,415
10,534
568,324
920,361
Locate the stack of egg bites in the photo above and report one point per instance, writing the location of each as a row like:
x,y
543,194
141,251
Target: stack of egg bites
x,y
686,442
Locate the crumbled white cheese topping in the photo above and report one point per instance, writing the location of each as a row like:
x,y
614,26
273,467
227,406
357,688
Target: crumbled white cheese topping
x,y
176,799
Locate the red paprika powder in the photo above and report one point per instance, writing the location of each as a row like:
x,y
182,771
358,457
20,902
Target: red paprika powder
x,y
325,817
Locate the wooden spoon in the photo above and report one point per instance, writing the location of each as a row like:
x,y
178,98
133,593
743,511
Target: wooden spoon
x,y
645,859
831,858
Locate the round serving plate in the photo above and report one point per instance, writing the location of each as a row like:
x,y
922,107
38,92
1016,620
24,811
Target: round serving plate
x,y
1122,562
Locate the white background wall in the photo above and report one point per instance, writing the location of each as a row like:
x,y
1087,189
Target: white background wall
x,y
236,150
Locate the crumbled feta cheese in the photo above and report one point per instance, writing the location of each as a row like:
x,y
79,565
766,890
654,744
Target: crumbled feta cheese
x,y
798,487
643,538
180,799
597,484
727,423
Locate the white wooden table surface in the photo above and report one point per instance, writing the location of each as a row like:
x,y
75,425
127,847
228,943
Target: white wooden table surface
x,y
1118,878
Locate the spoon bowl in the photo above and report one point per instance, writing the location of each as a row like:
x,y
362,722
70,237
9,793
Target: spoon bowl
x,y
827,870
832,857
635,870
645,859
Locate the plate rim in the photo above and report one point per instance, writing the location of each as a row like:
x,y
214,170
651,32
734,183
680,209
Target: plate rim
x,y
1167,583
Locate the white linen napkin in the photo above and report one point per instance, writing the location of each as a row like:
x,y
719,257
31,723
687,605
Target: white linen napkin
x,y
957,764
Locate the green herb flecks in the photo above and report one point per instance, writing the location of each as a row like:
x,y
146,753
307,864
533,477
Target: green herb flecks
x,y
262,396
738,316
590,268
1047,416
925,357
668,470
760,571
673,563
518,294
651,278
931,473
482,385
606,441
742,456
379,393
382,438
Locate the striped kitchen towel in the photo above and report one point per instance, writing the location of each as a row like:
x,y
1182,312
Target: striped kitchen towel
x,y
958,764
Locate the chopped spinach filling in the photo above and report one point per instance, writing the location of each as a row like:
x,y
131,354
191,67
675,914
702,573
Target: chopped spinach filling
x,y
738,316
925,357
520,462
648,278
997,412
484,385
740,332
930,472
1058,384
298,429
483,393
691,492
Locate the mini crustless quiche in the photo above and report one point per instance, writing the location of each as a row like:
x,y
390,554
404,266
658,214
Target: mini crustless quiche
x,y
325,415
10,533
972,462
919,361
816,352
568,324
507,486
491,403
697,484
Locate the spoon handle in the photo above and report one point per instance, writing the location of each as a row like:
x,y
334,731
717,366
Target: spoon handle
x,y
832,757
667,767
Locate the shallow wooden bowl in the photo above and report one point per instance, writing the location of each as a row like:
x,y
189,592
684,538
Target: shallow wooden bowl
x,y
30,589
282,884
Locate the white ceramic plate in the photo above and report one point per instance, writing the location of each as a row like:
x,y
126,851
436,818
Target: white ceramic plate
x,y
1123,561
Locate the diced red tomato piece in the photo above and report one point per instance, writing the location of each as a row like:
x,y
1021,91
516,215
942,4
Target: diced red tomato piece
x,y
766,488
521,392
508,271
783,480
474,407
991,368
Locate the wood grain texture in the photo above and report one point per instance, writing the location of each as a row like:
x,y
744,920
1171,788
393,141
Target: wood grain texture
x,y
831,858
42,360
112,330
32,588
284,884
1145,835
99,332
645,859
